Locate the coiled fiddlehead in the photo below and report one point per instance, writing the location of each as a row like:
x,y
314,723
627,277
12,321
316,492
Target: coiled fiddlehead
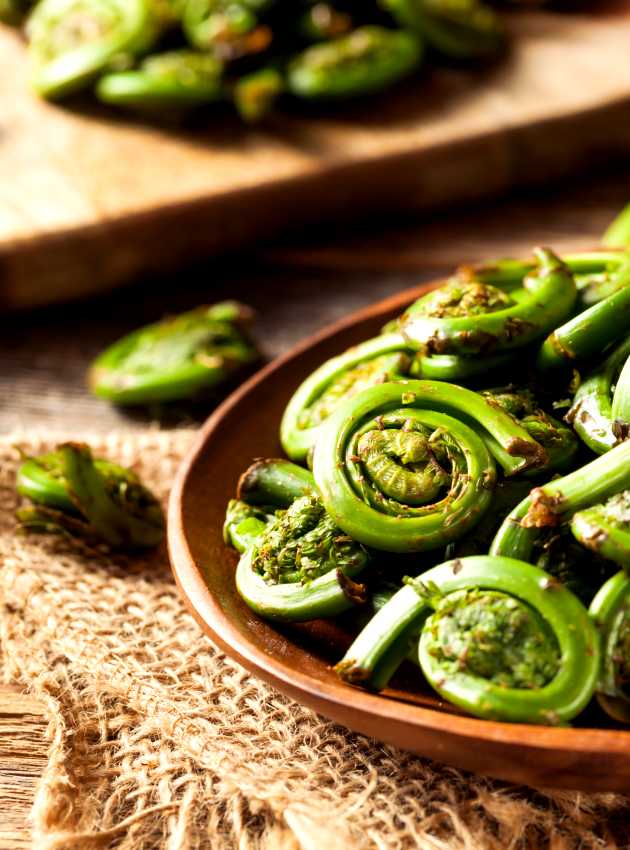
x,y
296,564
605,528
611,611
468,316
301,566
176,358
376,361
592,414
94,499
462,29
556,502
367,60
178,78
558,441
397,470
499,638
71,41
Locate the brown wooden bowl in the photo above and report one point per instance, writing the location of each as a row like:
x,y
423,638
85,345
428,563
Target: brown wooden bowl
x,y
297,661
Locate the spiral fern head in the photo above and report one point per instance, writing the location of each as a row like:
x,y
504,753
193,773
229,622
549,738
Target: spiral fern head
x,y
303,544
493,636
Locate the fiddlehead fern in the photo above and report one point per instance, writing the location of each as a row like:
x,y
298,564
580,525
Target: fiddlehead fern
x,y
376,361
245,523
611,611
229,28
462,29
76,494
592,414
268,484
500,639
558,441
71,41
301,566
177,358
178,78
556,502
367,60
397,470
605,528
588,333
296,564
274,481
468,316
597,274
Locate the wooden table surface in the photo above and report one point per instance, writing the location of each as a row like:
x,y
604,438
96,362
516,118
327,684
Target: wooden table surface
x,y
297,289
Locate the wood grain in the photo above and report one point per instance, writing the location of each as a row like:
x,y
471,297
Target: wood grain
x,y
22,759
89,199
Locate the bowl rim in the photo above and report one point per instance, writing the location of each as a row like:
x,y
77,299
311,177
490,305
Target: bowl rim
x,y
333,698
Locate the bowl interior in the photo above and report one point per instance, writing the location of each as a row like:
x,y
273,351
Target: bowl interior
x,y
297,660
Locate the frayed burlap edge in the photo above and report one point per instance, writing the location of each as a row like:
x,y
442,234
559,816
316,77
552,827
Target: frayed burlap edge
x,y
156,740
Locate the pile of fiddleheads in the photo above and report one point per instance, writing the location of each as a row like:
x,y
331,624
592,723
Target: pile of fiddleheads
x,y
465,492
176,54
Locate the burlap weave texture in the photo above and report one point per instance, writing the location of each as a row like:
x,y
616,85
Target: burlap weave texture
x,y
159,741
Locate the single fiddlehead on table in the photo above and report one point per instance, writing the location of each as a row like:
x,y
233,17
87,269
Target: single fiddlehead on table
x,y
177,358
71,41
367,60
611,612
468,316
76,494
498,637
592,414
399,470
180,78
555,503
375,361
463,29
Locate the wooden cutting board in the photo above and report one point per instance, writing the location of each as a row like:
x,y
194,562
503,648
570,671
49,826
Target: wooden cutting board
x,y
90,199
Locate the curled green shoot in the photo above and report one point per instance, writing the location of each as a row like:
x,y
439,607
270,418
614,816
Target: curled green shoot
x,y
503,640
468,316
556,502
77,495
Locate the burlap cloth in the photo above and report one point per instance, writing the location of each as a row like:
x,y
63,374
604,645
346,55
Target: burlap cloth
x,y
157,740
